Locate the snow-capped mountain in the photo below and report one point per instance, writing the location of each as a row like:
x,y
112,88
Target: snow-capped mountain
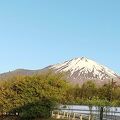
x,y
82,69
78,70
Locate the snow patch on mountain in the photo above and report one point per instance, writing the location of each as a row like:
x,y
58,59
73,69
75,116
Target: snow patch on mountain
x,y
84,66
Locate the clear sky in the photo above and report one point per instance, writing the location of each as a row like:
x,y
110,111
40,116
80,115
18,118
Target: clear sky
x,y
37,33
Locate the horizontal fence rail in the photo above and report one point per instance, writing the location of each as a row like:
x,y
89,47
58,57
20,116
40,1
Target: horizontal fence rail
x,y
80,114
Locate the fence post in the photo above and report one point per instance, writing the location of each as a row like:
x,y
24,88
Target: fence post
x,y
63,116
17,113
80,117
67,114
89,117
73,115
58,116
52,114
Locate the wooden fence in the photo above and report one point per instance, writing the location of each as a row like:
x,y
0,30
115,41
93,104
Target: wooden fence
x,y
78,114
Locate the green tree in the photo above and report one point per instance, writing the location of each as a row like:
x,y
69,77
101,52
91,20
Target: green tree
x,y
31,92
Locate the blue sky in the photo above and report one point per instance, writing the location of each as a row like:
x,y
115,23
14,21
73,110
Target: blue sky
x,y
37,33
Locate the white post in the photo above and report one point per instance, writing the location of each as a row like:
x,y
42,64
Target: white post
x,y
16,113
63,114
73,115
80,117
67,114
57,116
52,114
89,117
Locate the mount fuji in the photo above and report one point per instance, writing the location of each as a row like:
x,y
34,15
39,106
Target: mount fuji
x,y
78,70
81,69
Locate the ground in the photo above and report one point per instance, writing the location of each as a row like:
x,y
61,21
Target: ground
x,y
16,118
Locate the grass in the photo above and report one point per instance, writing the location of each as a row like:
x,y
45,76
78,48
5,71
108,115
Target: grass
x,y
15,118
50,119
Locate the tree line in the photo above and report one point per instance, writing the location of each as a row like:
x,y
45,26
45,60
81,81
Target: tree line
x,y
36,96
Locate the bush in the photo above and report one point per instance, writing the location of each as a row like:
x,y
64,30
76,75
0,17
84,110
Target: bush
x,y
41,109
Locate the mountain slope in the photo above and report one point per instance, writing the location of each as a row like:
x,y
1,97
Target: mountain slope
x,y
78,71
81,69
17,72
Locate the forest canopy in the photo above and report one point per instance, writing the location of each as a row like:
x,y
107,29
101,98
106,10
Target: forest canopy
x,y
36,96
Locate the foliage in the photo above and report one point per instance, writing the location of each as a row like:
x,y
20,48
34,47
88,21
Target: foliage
x,y
41,109
36,96
33,95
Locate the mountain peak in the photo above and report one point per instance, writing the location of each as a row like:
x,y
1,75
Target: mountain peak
x,y
84,58
81,58
84,68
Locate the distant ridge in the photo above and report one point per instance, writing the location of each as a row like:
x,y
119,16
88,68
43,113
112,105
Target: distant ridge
x,y
78,71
